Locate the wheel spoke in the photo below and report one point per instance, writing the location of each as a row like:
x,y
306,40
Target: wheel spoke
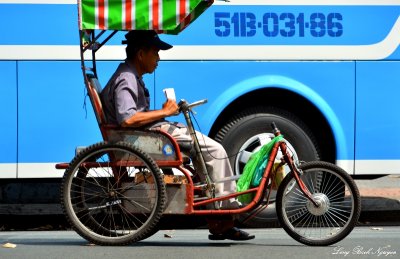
x,y
244,156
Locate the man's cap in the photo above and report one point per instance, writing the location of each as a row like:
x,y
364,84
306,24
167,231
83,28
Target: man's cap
x,y
145,38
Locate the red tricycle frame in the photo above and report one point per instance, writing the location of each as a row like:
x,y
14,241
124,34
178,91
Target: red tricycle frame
x,y
115,192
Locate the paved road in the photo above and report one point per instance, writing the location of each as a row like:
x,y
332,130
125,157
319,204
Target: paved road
x,y
363,242
380,200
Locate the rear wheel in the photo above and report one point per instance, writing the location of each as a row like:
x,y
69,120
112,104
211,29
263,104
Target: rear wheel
x,y
113,194
339,205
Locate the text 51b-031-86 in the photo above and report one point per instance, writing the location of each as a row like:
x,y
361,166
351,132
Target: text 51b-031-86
x,y
246,24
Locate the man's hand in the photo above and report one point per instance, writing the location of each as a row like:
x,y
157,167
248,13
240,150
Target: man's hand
x,y
170,107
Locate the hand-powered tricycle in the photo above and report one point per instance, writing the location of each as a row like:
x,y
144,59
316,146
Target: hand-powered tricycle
x,y
115,192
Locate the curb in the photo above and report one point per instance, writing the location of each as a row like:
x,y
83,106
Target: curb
x,y
375,203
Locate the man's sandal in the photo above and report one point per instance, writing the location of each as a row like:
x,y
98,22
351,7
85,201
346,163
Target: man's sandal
x,y
232,234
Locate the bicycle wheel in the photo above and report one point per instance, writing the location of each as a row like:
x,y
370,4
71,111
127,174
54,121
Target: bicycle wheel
x,y
113,194
339,209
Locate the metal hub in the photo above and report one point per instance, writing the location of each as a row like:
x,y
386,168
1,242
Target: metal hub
x,y
323,202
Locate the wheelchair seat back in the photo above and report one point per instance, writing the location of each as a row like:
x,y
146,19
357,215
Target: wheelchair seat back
x,y
94,90
159,145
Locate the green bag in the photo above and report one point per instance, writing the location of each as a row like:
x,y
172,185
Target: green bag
x,y
254,170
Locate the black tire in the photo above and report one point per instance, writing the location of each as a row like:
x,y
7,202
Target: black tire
x,y
237,134
245,132
334,219
107,205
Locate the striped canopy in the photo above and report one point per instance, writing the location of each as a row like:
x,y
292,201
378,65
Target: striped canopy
x,y
164,16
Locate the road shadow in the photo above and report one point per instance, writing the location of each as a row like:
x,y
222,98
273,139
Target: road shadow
x,y
66,242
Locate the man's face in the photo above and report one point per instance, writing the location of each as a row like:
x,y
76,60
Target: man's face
x,y
149,59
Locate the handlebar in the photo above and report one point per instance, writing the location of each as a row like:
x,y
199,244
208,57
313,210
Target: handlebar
x,y
185,106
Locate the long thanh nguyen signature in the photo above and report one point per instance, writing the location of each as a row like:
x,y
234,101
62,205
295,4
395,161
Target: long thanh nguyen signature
x,y
367,251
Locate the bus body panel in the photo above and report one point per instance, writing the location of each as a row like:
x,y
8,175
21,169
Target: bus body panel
x,y
342,56
342,32
377,120
235,79
8,108
51,115
39,24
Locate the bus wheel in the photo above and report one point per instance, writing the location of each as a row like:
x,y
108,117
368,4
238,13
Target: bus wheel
x,y
249,130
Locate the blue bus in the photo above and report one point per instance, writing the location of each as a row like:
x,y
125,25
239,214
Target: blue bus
x,y
327,72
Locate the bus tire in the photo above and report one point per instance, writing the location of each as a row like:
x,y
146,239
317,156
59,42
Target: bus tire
x,y
255,121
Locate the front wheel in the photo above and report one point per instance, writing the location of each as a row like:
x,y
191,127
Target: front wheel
x,y
337,214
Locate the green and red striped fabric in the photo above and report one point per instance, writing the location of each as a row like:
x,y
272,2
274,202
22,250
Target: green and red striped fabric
x,y
164,16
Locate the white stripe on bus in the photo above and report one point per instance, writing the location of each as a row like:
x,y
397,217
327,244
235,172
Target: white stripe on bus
x,y
8,170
